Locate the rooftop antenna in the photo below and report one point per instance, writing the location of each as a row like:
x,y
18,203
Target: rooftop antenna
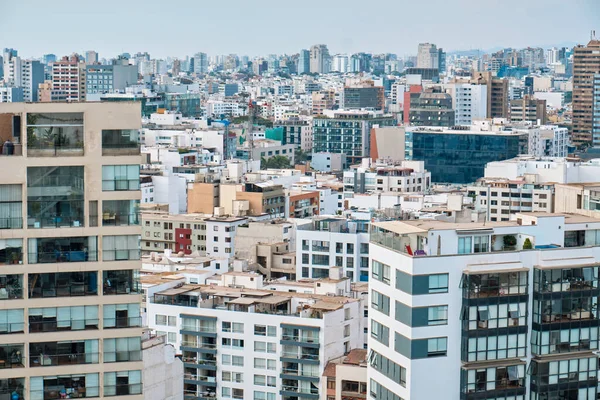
x,y
593,35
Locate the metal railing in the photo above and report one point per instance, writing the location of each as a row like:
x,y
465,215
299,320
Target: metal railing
x,y
120,219
62,257
7,328
122,356
53,394
73,289
125,322
11,223
63,325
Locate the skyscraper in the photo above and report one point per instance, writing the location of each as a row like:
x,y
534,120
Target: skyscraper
x,y
68,79
70,251
304,62
320,61
428,56
586,63
200,63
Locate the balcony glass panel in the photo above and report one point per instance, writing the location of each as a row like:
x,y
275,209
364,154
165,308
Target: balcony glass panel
x,y
11,202
11,251
62,250
54,319
121,282
61,386
122,315
11,356
120,142
12,389
565,279
11,287
120,177
122,349
55,197
55,134
11,321
120,212
63,284
119,248
63,353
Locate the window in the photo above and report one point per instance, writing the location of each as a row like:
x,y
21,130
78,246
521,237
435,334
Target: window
x,y
364,248
438,283
320,259
271,365
226,326
260,363
260,330
380,302
123,349
10,207
260,380
387,367
260,347
380,332
52,134
120,177
55,197
436,347
172,337
237,361
226,359
117,248
160,319
437,315
381,272
226,392
120,142
349,248
11,321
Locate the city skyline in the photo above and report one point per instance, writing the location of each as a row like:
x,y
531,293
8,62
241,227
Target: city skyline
x,y
240,30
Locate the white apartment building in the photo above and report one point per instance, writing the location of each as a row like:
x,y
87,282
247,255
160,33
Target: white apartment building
x,y
545,169
329,242
241,341
486,310
469,102
220,235
501,198
216,108
403,177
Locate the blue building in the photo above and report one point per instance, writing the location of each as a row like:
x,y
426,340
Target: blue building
x,y
109,78
304,62
460,156
230,89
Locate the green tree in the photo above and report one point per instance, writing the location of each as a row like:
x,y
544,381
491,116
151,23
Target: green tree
x,y
300,156
277,162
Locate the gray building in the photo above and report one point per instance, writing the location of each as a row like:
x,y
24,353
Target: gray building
x,y
200,63
431,109
109,78
364,97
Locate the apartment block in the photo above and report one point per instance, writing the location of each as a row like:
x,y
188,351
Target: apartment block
x,y
325,243
586,64
69,280
528,110
177,232
241,341
68,79
403,177
494,310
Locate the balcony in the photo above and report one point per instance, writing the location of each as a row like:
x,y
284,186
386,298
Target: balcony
x,y
11,356
63,284
11,251
40,325
62,250
12,389
494,285
55,134
120,212
120,142
121,282
45,360
11,222
122,389
11,287
200,379
122,322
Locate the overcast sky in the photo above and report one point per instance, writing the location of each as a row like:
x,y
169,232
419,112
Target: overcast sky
x,y
260,27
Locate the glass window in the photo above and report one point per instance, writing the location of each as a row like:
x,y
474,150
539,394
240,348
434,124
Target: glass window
x,y
120,142
11,321
438,283
52,134
11,251
42,354
436,347
437,315
11,198
123,315
62,249
63,284
55,197
380,302
116,248
380,332
381,272
121,282
85,385
120,177
122,349
120,212
122,383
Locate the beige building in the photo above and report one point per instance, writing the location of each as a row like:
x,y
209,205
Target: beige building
x,y
578,198
177,232
346,378
69,280
264,198
586,63
202,197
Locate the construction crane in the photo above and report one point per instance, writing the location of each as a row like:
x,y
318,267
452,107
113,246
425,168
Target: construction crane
x,y
249,134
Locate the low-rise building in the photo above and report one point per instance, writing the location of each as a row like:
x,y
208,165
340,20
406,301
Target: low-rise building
x,y
346,378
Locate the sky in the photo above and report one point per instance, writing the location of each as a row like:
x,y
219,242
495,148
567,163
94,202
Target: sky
x,y
256,28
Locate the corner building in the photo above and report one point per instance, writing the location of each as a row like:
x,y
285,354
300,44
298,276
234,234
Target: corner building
x,y
70,323
504,310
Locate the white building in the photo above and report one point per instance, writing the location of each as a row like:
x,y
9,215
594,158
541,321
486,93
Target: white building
x,y
470,311
216,108
328,242
163,371
545,169
469,102
328,162
241,341
11,94
220,234
404,177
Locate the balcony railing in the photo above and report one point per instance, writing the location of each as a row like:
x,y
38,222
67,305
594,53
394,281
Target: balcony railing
x,y
62,257
123,356
16,327
10,293
63,325
297,389
120,219
72,289
198,345
200,378
11,223
296,372
46,360
122,390
125,322
314,357
52,393
11,149
300,338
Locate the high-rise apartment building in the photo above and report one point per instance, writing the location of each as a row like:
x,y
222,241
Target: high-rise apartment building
x,y
364,96
320,61
428,56
70,315
528,109
304,62
347,132
25,74
491,310
586,64
68,79
200,63
596,110
497,93
469,102
431,108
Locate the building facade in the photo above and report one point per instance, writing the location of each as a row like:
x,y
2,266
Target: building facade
x,y
70,280
586,64
508,313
